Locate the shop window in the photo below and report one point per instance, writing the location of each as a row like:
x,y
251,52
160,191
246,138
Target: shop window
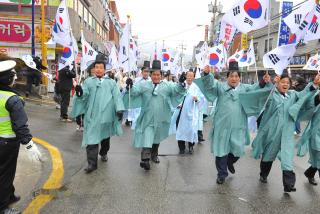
x,y
9,8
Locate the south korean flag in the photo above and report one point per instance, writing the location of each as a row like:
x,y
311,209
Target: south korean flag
x,y
217,57
313,63
279,58
248,15
296,17
313,32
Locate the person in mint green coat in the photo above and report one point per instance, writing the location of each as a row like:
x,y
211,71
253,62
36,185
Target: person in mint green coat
x,y
155,99
275,137
100,101
230,132
310,140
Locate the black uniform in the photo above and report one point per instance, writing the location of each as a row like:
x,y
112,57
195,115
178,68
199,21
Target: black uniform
x,y
65,86
9,148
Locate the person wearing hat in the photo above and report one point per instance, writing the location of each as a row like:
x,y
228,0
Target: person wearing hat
x,y
100,101
145,76
13,132
154,98
230,129
34,74
275,137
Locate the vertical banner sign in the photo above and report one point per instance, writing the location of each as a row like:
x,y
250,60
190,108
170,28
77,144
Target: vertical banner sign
x,y
244,41
284,30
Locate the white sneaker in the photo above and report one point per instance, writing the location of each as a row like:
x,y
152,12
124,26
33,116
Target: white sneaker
x,y
78,128
58,107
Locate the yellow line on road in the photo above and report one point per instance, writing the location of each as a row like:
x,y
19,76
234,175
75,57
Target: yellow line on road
x,y
54,181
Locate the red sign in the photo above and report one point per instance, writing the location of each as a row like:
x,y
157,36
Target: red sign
x,y
14,31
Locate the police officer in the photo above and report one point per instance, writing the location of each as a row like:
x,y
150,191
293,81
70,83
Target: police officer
x,y
13,132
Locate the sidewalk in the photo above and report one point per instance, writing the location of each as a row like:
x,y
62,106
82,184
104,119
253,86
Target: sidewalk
x,y
27,178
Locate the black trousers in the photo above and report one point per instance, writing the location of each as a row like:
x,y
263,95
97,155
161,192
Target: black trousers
x,y
222,164
288,177
65,101
93,151
33,77
182,145
311,172
147,153
8,164
79,120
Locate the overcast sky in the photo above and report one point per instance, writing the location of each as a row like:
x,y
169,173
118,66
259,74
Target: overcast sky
x,y
155,20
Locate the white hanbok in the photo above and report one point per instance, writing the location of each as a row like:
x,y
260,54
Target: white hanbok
x,y
187,126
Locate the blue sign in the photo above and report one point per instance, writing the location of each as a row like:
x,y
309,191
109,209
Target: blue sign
x,y
284,30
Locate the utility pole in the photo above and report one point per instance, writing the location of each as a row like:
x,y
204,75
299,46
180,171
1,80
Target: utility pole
x,y
155,51
33,50
182,46
43,42
214,9
213,20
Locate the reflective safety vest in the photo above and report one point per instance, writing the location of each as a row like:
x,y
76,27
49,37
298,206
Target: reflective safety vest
x,y
5,121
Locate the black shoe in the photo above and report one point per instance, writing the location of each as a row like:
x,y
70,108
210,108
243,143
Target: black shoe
x,y
155,159
263,179
104,158
289,188
231,168
191,149
90,169
220,180
145,165
14,199
10,211
312,181
182,152
128,123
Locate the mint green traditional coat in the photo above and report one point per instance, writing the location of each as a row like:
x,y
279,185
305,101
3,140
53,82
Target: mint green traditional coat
x,y
156,110
229,133
310,139
275,136
99,103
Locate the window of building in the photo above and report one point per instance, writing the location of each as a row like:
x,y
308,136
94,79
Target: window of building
x,y
270,44
9,8
255,47
28,9
80,9
90,20
75,5
94,22
266,45
85,14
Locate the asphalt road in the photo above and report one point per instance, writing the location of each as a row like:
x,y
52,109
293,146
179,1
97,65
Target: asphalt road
x,y
179,184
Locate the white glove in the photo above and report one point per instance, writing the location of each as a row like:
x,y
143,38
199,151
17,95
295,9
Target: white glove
x,y
33,151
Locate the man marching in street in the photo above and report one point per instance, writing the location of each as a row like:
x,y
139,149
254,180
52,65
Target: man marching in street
x,y
275,136
155,98
13,132
100,101
310,140
186,117
145,76
230,131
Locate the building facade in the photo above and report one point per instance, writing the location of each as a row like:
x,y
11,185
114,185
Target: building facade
x,y
87,15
